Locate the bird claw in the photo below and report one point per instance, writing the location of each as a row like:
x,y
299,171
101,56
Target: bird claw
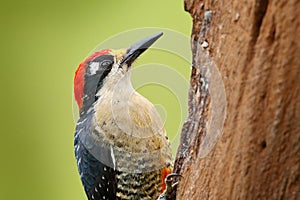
x,y
168,194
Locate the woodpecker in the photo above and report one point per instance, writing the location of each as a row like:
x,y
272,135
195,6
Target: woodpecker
x,y
121,146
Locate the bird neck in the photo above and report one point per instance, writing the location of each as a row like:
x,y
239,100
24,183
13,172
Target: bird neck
x,y
118,87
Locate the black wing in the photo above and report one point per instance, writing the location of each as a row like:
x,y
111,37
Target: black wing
x,y
99,180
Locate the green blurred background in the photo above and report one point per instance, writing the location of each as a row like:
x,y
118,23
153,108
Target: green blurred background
x,y
42,43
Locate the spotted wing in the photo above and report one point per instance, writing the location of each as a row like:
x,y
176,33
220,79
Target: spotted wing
x,y
99,180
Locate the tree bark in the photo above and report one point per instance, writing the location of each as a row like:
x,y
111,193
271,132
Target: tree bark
x,y
255,45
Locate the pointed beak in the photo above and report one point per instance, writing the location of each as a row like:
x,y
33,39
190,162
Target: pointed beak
x,y
138,48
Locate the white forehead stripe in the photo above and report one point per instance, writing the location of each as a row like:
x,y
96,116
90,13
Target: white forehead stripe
x,y
94,67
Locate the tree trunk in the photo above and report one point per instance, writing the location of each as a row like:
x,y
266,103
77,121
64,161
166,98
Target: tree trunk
x,y
255,46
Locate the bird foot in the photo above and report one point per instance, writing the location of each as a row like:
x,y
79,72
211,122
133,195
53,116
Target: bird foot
x,y
169,193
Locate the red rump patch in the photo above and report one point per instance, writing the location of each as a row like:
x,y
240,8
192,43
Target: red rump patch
x,y
79,76
165,172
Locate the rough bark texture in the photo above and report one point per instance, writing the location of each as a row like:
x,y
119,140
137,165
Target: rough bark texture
x,y
255,44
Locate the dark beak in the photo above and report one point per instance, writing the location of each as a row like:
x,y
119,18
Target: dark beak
x,y
138,48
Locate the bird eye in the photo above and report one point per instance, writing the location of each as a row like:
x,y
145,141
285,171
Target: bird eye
x,y
105,63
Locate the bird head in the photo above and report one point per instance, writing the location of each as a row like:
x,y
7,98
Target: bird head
x,y
105,67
